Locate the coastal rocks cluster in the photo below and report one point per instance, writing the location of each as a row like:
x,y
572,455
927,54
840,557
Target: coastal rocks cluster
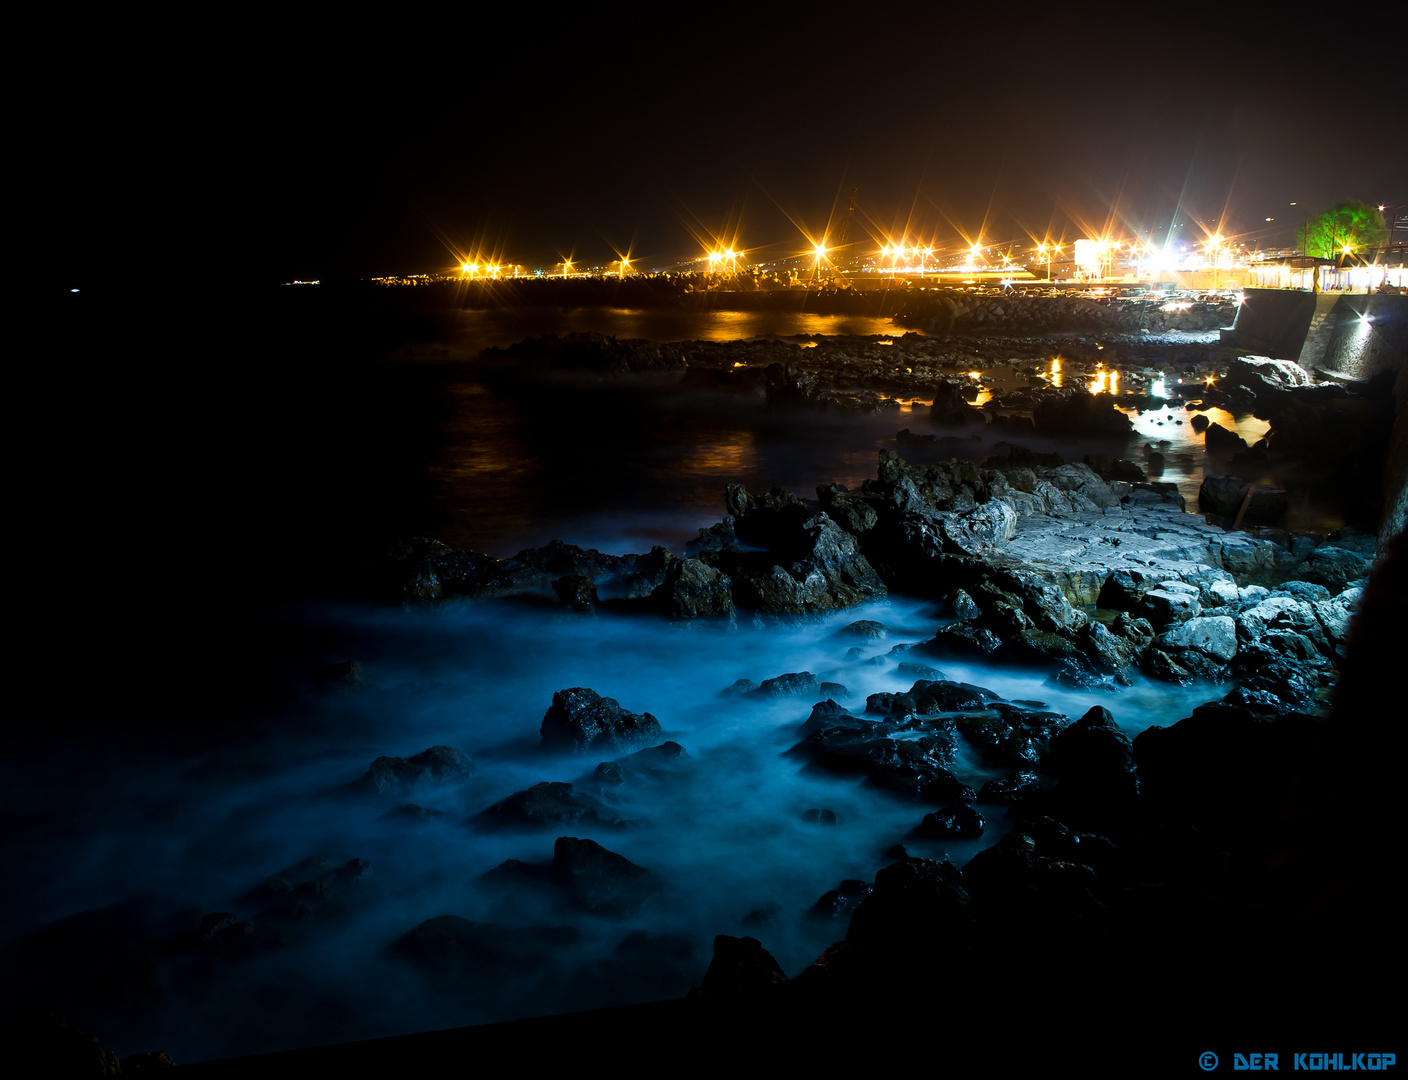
x,y
852,372
944,312
133,953
1018,384
808,566
1039,562
907,744
1106,854
597,354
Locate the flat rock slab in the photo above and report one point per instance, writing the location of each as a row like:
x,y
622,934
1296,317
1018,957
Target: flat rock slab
x,y
1080,551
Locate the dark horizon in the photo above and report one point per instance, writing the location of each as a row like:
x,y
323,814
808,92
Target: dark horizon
x,y
304,155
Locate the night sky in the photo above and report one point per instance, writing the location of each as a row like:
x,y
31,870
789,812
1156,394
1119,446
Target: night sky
x,y
395,143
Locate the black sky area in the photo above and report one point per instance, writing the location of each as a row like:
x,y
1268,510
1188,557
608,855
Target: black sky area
x,y
333,148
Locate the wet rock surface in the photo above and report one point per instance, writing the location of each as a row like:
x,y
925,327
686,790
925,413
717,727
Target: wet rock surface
x,y
437,764
600,881
1094,574
911,752
580,719
1157,848
550,805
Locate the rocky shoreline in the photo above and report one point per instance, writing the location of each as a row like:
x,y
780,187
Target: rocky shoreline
x,y
1124,856
1211,838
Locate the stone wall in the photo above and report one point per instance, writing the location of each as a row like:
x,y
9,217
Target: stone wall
x,y
1370,336
1272,322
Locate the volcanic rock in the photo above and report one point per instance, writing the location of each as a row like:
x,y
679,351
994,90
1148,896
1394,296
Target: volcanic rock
x,y
741,969
581,719
600,881
439,763
554,804
958,820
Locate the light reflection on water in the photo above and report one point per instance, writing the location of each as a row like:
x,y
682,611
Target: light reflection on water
x,y
604,468
1186,459
497,328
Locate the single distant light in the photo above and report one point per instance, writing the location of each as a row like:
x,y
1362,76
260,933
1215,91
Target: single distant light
x,y
73,290
1366,317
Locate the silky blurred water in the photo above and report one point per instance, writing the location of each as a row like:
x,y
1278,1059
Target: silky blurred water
x,y
726,835
187,750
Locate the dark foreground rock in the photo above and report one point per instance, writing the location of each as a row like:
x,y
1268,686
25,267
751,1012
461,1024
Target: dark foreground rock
x,y
43,1044
580,719
549,805
799,565
741,969
911,753
669,761
453,951
600,881
1212,841
438,764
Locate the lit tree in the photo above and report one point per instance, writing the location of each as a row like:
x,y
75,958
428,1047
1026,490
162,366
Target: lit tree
x,y
1351,224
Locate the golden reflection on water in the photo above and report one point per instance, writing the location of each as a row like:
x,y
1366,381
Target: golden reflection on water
x,y
735,325
1105,381
1163,424
729,456
1184,450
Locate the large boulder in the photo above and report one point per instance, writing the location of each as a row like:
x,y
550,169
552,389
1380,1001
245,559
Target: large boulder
x,y
1261,374
1172,603
424,570
1222,442
768,520
1333,567
1229,771
449,949
600,881
581,719
550,804
693,588
740,970
854,511
1095,763
1213,636
439,763
912,766
1081,413
830,575
982,530
655,762
1222,495
917,910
